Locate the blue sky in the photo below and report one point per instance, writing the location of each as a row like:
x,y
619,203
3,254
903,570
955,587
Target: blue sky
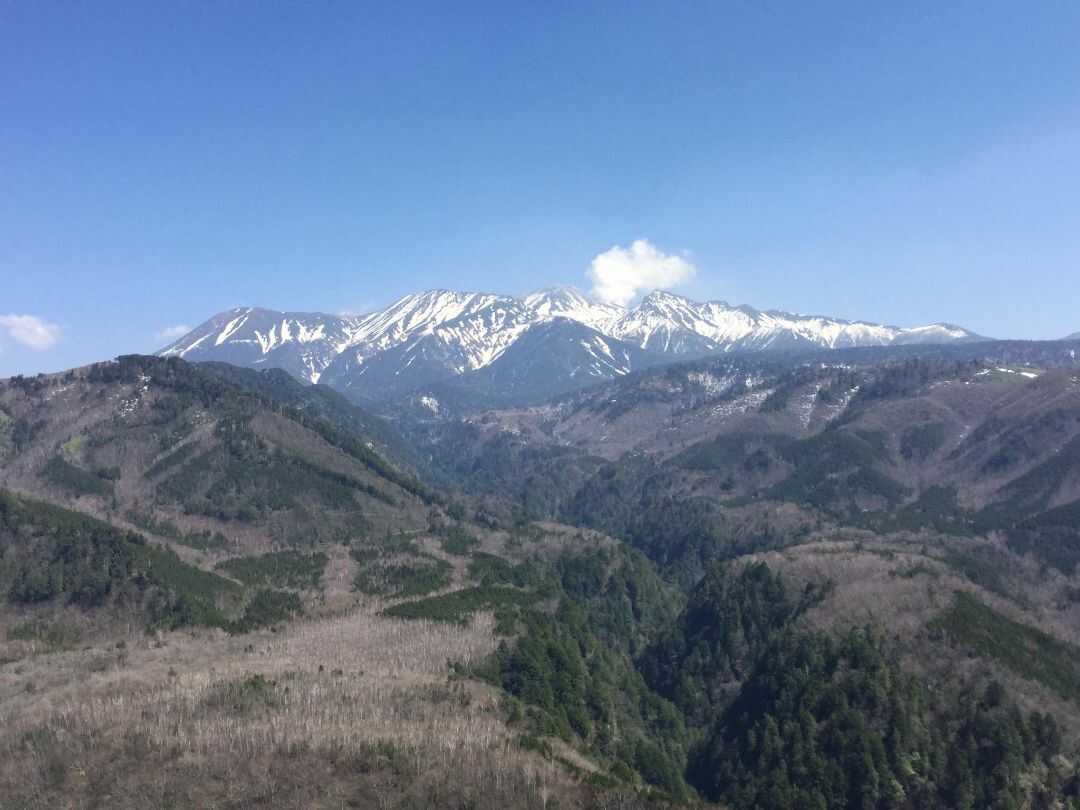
x,y
904,162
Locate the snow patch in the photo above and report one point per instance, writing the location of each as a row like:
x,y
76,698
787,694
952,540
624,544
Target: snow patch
x,y
231,327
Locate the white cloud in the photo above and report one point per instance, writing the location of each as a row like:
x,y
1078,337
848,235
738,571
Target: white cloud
x,y
171,333
619,274
30,331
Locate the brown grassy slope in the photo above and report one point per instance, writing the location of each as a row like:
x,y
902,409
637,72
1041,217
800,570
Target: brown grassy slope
x,y
355,709
345,708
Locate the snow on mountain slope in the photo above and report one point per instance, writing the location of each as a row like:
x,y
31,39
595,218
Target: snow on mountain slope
x,y
442,334
426,338
552,357
562,347
302,343
416,315
485,334
567,302
671,323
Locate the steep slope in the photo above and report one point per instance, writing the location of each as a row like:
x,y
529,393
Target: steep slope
x,y
301,343
156,442
665,408
322,403
700,460
61,565
425,339
478,326
567,302
549,359
132,491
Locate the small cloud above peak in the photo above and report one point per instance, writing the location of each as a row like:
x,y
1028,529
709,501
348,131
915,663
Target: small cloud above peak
x,y
31,331
619,274
171,333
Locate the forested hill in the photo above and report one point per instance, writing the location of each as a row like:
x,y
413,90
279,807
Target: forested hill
x,y
699,463
159,442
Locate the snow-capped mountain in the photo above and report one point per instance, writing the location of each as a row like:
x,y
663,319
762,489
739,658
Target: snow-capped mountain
x,y
440,335
428,337
552,357
302,343
670,323
566,302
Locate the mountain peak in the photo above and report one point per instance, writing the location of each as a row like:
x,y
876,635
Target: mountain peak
x,y
557,291
565,295
572,303
663,295
664,300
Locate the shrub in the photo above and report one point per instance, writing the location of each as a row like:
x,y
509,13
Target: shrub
x,y
267,607
281,569
62,473
55,634
457,541
412,578
459,605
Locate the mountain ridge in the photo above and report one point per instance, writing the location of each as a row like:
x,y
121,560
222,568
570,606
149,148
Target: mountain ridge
x,y
439,335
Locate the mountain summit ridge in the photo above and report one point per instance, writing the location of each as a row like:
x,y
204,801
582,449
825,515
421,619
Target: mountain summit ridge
x,y
441,334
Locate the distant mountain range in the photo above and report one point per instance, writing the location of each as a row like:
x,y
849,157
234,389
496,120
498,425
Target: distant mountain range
x,y
550,341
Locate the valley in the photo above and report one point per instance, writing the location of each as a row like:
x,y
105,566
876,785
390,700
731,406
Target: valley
x,y
230,587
